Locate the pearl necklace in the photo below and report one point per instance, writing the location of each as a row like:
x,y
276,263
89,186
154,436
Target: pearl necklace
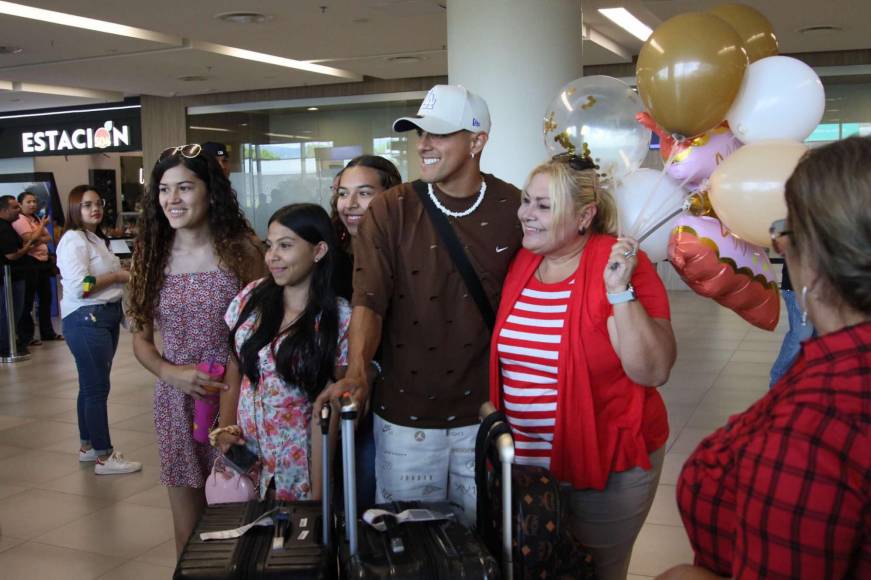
x,y
457,214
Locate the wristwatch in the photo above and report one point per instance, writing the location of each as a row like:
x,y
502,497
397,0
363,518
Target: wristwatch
x,y
627,295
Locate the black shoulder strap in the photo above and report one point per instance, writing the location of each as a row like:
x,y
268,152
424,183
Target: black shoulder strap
x,y
461,261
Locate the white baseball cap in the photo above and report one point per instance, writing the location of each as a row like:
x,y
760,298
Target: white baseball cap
x,y
447,109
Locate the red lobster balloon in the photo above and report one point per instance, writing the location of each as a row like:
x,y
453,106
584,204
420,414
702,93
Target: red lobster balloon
x,y
717,265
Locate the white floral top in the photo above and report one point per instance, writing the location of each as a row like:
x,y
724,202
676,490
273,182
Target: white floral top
x,y
276,416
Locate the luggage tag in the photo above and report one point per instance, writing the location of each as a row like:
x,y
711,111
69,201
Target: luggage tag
x,y
264,520
282,527
377,517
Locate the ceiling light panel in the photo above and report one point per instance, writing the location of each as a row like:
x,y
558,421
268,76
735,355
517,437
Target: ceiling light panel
x,y
628,22
94,25
274,60
91,24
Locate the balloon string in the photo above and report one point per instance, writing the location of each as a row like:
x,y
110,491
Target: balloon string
x,y
640,216
660,223
656,213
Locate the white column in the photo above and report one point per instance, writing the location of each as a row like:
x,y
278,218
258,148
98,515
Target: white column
x,y
516,54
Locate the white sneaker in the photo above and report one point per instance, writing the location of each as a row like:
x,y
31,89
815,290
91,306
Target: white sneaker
x,y
87,456
115,464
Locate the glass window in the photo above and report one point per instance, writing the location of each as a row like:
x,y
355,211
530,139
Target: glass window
x,y
283,156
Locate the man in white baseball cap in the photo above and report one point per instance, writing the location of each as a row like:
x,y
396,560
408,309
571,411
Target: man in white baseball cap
x,y
448,109
430,315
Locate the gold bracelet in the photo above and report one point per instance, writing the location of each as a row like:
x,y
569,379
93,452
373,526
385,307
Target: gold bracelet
x,y
233,430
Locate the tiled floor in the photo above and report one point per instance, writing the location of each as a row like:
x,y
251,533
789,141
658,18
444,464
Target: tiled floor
x,y
60,521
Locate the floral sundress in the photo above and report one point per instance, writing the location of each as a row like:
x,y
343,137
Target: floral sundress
x,y
276,416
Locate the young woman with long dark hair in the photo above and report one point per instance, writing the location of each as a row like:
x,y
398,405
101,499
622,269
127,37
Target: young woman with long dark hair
x,y
193,253
93,282
363,179
289,334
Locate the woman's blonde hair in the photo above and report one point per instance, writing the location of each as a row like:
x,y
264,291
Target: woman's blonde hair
x,y
572,189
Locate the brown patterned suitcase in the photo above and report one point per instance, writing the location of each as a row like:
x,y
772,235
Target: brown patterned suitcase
x,y
539,545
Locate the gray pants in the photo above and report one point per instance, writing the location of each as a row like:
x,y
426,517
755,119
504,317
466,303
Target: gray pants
x,y
608,521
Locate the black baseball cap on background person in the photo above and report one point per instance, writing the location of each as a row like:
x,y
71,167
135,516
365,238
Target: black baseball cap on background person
x,y
215,148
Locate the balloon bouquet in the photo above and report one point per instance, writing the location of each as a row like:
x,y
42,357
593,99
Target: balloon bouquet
x,y
731,116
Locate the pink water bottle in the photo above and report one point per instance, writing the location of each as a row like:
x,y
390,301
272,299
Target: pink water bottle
x,y
206,409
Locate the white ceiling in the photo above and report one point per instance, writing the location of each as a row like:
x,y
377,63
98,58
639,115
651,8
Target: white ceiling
x,y
356,35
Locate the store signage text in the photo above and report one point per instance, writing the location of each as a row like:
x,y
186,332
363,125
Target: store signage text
x,y
109,135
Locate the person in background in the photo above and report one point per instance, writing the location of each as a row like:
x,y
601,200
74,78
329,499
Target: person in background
x,y
194,252
783,490
289,333
362,180
93,282
13,253
408,290
39,287
796,334
219,152
582,338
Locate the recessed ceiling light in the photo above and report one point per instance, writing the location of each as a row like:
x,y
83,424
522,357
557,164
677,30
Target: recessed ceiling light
x,y
193,78
313,109
404,59
820,29
11,49
243,17
628,22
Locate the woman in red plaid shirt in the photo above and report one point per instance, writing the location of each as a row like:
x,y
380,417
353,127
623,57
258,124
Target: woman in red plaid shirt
x,y
782,491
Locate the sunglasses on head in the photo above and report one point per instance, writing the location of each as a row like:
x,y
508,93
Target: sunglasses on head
x,y
778,229
575,161
190,151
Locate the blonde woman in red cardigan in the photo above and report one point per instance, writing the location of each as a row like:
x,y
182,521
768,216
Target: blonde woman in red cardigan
x,y
582,339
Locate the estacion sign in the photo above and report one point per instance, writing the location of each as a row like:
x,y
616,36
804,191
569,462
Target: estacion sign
x,y
109,135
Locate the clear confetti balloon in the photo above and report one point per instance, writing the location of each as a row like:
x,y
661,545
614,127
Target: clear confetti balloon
x,y
595,115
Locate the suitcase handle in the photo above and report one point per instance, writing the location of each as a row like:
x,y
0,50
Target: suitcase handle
x,y
326,488
349,416
504,443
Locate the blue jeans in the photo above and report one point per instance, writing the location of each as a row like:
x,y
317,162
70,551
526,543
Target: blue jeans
x,y
18,288
796,335
92,335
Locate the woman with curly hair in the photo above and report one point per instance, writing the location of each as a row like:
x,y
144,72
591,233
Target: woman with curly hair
x,y
194,252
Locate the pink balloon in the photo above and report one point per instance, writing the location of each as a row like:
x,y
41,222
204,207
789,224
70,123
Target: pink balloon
x,y
697,158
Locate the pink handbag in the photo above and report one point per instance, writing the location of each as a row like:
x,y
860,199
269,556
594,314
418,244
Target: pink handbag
x,y
226,485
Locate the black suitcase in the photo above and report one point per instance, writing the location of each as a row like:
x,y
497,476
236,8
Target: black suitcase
x,y
304,548
226,559
303,556
432,549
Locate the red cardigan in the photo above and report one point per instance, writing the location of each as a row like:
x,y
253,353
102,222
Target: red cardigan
x,y
605,422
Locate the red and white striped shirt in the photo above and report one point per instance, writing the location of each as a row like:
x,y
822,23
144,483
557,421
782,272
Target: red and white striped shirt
x,y
528,347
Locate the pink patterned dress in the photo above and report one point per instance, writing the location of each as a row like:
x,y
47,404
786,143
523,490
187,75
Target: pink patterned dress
x,y
275,417
190,322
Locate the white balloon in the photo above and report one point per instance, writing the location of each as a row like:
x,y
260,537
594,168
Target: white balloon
x,y
780,98
644,198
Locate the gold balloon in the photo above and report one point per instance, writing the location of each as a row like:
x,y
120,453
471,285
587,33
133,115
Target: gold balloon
x,y
754,29
700,205
746,190
689,72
